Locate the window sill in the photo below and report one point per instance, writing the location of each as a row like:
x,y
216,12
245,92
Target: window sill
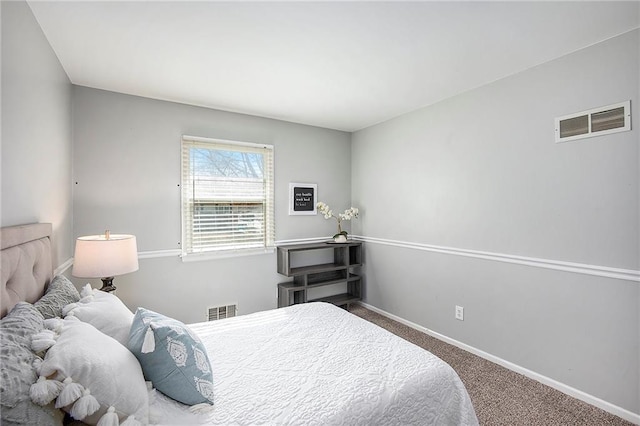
x,y
222,254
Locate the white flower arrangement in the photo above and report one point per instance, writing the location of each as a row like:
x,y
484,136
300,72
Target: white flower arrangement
x,y
348,214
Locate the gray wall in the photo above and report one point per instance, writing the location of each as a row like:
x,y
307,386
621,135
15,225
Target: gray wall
x,y
36,130
481,171
126,174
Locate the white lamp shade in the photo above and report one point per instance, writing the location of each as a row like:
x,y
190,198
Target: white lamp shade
x,y
99,256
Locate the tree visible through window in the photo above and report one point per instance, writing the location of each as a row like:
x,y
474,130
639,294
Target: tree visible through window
x,y
227,195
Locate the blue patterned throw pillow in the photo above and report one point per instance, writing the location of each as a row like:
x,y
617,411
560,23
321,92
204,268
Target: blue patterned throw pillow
x,y
172,357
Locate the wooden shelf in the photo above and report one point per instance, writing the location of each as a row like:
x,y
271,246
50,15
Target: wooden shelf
x,y
313,269
338,299
312,275
320,283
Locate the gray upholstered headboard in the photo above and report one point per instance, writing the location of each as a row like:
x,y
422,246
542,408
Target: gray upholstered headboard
x,y
26,263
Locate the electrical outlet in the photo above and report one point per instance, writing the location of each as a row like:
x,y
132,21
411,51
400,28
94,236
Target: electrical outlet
x,y
459,313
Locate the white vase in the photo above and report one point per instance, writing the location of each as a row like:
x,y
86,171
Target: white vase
x,y
340,238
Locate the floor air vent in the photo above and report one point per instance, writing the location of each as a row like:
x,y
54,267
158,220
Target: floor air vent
x,y
221,312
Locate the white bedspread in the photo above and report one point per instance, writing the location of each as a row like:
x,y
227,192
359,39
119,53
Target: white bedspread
x,y
316,364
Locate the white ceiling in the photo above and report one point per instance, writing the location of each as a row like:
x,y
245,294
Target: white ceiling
x,y
341,65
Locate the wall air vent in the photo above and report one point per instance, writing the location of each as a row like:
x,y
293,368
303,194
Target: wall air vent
x,y
595,122
221,312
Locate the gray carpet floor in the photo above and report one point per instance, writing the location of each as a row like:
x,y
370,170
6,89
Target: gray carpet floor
x,y
500,396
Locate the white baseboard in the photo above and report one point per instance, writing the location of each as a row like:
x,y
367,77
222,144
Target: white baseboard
x,y
566,389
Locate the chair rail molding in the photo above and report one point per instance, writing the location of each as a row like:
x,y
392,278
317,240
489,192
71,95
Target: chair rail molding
x,y
63,267
559,265
580,268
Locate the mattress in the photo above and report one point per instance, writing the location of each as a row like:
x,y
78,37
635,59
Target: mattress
x,y
316,364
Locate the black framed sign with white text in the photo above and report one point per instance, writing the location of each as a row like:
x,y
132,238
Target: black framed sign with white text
x,y
302,198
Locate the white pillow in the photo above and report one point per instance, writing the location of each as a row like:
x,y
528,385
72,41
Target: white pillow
x,y
89,374
104,311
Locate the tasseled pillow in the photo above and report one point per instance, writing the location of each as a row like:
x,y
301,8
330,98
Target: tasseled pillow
x,y
89,374
172,357
104,311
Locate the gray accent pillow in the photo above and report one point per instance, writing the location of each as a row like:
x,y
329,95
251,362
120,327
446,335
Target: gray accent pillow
x,y
60,293
18,373
172,357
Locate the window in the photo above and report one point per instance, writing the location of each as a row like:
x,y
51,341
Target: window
x,y
227,196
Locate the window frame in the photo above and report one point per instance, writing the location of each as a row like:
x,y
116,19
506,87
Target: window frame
x,y
268,232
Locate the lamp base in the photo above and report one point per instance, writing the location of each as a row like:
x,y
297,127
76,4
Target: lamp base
x,y
107,285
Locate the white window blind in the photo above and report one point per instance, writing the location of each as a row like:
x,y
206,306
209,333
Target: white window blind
x,y
227,195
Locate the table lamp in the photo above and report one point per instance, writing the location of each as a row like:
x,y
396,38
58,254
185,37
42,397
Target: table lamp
x,y
105,256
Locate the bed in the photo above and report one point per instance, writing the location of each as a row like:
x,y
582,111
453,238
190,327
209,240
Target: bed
x,y
306,364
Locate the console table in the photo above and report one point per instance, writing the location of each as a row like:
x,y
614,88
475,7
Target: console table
x,y
297,261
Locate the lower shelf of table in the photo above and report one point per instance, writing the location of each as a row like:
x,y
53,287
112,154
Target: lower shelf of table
x,y
291,294
338,299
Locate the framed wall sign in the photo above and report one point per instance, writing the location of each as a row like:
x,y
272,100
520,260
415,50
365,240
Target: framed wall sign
x,y
302,198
